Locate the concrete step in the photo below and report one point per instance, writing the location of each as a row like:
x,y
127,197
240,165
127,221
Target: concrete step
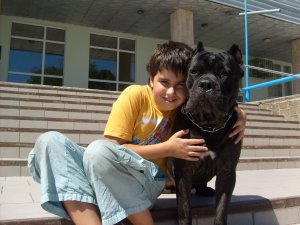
x,y
27,129
263,163
21,150
75,102
270,151
272,123
24,98
29,135
45,89
18,166
58,102
266,117
280,131
49,112
271,143
253,196
11,93
270,197
33,89
256,110
10,114
271,140
9,120
51,123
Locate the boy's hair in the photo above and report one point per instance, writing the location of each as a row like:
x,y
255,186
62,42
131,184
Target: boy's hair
x,y
173,56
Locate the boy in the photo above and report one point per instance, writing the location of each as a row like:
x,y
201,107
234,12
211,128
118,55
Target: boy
x,y
122,176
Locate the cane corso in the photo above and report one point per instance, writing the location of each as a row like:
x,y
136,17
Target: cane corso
x,y
213,86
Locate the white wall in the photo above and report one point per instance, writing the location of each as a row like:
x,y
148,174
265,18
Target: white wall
x,y
5,25
76,65
145,48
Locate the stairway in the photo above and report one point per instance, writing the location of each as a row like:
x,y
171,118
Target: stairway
x,y
271,147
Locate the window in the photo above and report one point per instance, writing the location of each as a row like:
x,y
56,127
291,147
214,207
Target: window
x,y
261,63
288,89
36,54
275,90
111,62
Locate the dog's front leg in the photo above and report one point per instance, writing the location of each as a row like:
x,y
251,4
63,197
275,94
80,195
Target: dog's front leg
x,y
224,187
183,180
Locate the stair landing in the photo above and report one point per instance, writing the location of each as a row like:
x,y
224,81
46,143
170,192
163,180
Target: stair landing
x,y
265,197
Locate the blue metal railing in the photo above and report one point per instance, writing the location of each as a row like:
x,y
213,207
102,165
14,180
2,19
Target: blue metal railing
x,y
289,77
247,92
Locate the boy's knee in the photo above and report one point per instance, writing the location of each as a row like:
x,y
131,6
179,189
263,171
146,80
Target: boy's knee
x,y
98,150
49,139
99,155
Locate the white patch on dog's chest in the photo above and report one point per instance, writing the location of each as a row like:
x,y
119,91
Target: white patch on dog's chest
x,y
211,154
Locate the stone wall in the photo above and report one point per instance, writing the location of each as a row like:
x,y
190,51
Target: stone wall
x,y
288,106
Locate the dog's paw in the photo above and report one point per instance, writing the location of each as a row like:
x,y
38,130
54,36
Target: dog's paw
x,y
169,190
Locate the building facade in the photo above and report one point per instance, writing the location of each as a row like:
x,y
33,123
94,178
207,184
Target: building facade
x,y
60,53
51,53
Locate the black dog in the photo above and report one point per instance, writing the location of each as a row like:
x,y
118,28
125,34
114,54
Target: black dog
x,y
212,82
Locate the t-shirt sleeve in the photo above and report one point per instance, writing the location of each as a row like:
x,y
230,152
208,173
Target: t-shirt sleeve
x,y
125,110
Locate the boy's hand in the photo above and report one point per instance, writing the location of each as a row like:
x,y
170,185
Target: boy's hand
x,y
239,126
188,149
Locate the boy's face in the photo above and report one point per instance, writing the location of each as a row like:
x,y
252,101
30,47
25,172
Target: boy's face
x,y
168,89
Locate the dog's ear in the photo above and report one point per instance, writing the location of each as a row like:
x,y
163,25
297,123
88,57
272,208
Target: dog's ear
x,y
236,53
238,57
200,47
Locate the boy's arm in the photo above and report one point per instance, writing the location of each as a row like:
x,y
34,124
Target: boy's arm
x,y
120,126
188,149
239,126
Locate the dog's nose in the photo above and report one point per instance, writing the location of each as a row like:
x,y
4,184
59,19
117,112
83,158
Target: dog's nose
x,y
206,85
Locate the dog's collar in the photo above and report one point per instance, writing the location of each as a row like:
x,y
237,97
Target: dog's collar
x,y
205,129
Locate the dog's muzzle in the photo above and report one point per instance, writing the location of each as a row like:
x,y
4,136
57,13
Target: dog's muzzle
x,y
205,129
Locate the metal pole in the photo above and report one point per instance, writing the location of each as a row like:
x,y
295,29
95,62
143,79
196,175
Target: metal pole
x,y
271,83
247,93
261,12
273,71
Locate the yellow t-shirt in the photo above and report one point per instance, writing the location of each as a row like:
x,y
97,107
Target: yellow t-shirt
x,y
136,118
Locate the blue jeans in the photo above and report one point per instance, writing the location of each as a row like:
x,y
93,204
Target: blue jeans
x,y
116,179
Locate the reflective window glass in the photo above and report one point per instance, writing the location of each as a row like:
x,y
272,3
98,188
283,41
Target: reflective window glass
x,y
112,62
53,81
19,78
54,34
54,59
26,30
103,41
123,86
126,67
103,64
287,86
126,44
102,85
28,55
25,56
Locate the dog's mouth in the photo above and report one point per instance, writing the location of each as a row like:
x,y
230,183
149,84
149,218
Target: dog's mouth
x,y
207,121
210,111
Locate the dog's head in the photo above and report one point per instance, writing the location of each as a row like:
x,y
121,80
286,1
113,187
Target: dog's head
x,y
213,85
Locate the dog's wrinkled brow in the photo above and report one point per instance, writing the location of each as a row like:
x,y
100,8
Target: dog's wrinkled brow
x,y
211,59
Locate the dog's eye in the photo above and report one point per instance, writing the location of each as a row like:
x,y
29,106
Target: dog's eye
x,y
193,72
224,75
